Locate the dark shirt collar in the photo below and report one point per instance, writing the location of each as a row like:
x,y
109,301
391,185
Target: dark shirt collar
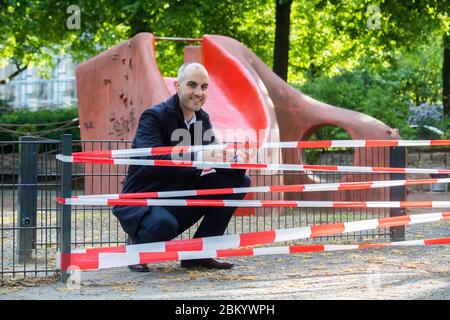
x,y
173,105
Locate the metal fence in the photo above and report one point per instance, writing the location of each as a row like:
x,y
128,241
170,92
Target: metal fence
x,y
29,223
33,226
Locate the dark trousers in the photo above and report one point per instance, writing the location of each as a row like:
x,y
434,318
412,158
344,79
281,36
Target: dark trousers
x,y
166,223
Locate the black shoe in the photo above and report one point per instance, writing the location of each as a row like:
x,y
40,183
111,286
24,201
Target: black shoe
x,y
206,263
137,267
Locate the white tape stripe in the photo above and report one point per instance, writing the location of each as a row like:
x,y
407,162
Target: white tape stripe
x,y
243,203
147,247
383,204
355,169
440,204
271,250
416,170
112,260
346,143
315,204
87,201
414,143
334,247
131,152
164,202
106,196
322,187
252,189
408,243
292,234
63,158
221,242
389,183
423,218
79,251
189,255
179,193
360,225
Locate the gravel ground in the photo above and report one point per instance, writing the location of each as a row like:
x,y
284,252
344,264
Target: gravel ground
x,y
382,273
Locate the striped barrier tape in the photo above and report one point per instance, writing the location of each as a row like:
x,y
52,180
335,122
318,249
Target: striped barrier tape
x,y
114,260
279,188
80,257
287,144
238,165
251,203
272,236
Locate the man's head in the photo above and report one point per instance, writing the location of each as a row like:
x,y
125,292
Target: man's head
x,y
192,87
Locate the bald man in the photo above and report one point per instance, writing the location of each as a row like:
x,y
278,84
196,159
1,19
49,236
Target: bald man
x,y
179,120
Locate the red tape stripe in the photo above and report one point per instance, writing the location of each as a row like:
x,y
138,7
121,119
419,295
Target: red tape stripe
x,y
352,204
314,144
234,253
128,202
377,143
440,142
81,260
185,245
145,257
307,248
253,238
315,167
137,195
437,241
319,231
205,192
416,204
202,202
393,221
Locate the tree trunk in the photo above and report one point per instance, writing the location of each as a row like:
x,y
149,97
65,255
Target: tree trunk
x,y
446,76
282,28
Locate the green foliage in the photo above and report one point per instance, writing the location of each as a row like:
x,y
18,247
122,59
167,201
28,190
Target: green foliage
x,y
387,91
334,55
33,31
46,123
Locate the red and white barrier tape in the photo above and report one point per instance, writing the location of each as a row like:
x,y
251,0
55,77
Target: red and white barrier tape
x,y
79,257
280,188
287,144
251,203
238,165
114,260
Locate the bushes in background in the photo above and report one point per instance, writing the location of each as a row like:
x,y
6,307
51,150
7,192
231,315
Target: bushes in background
x,y
43,123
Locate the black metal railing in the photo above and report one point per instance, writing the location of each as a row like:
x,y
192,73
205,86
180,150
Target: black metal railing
x,y
30,179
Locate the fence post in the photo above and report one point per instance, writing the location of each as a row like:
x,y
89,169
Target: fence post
x,y
27,198
65,212
397,160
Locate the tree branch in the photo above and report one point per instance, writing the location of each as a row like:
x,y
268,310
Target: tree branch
x,y
7,79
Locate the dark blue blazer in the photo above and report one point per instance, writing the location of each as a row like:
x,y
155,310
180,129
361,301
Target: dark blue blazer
x,y
155,129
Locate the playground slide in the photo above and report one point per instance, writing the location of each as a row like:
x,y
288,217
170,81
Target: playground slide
x,y
117,85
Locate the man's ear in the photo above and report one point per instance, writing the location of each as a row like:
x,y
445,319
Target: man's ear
x,y
176,84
